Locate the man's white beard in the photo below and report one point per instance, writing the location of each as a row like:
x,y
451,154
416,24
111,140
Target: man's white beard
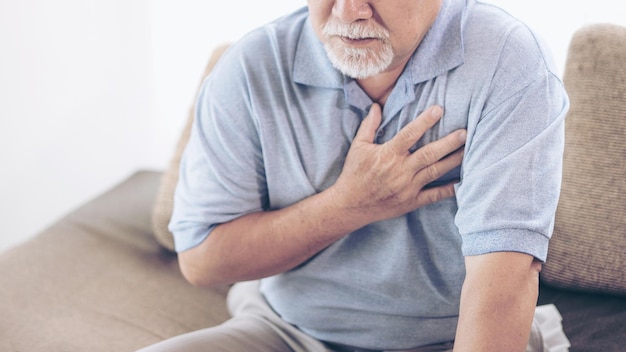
x,y
357,63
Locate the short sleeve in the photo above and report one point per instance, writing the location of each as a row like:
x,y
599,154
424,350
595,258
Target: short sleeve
x,y
511,173
221,173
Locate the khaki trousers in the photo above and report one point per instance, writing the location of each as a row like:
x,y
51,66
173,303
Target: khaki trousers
x,y
255,327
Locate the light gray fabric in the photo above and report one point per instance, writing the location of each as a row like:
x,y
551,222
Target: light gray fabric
x,y
255,327
274,123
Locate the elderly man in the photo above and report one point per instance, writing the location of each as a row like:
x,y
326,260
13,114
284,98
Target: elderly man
x,y
389,170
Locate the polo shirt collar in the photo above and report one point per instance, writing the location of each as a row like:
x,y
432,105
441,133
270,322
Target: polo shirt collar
x,y
311,66
440,51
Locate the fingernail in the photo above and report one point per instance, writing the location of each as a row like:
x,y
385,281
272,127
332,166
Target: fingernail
x,y
437,111
463,136
372,107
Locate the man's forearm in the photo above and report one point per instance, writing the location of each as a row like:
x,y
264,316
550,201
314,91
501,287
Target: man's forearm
x,y
262,244
377,182
497,302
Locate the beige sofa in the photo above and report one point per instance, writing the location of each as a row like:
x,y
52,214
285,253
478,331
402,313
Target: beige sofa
x,y
103,278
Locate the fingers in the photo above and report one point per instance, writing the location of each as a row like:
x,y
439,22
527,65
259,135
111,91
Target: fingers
x,y
369,125
433,195
434,151
411,133
434,171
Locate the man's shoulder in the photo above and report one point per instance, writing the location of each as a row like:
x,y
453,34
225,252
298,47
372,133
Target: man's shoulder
x,y
491,31
495,40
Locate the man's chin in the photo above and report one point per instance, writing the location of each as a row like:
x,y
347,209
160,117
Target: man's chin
x,y
355,62
358,68
359,75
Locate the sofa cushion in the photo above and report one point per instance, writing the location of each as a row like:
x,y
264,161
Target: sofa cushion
x,y
98,281
588,248
591,321
162,211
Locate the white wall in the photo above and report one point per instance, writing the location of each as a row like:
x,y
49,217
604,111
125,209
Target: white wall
x,y
75,99
184,34
91,91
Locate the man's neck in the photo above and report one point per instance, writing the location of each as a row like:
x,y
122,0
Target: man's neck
x,y
379,87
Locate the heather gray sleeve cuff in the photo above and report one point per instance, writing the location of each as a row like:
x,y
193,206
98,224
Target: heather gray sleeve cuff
x,y
506,240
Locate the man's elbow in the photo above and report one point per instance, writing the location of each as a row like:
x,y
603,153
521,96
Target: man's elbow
x,y
194,274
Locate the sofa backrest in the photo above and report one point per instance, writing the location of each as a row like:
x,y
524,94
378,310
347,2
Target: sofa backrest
x,y
164,204
588,248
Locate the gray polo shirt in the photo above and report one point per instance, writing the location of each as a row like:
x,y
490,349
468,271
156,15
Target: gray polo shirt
x,y
274,122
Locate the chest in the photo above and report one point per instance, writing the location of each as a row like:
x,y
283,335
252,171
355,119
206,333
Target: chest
x,y
305,137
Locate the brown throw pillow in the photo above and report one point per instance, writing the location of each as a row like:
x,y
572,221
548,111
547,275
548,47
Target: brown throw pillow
x,y
588,248
164,204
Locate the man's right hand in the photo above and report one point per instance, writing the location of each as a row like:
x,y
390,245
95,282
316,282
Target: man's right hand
x,y
382,181
377,182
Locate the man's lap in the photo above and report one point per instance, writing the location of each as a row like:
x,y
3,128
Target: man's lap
x,y
256,327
